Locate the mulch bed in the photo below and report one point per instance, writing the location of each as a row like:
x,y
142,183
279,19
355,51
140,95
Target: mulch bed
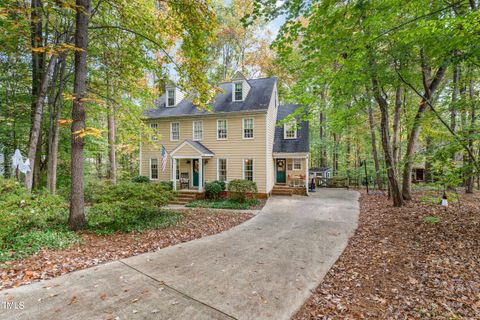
x,y
98,249
398,266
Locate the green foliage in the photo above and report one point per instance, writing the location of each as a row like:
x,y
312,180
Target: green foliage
x,y
105,218
29,222
224,204
128,206
431,219
20,211
167,185
213,189
222,184
140,179
32,241
240,188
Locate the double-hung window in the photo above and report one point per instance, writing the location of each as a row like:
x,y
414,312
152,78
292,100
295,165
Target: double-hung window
x,y
248,128
197,130
170,97
154,127
153,168
297,164
222,133
222,170
238,91
290,130
248,169
174,131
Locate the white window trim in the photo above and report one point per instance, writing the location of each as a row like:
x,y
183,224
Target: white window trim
x,y
171,131
193,130
253,168
293,164
218,168
285,129
243,128
226,128
234,92
166,102
153,136
150,169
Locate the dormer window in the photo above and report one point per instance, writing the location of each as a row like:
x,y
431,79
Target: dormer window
x,y
238,91
290,130
170,97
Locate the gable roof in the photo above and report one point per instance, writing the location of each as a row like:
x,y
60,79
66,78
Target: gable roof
x,y
301,143
202,150
258,99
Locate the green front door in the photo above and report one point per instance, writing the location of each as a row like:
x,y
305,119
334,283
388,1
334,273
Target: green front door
x,y
281,171
195,172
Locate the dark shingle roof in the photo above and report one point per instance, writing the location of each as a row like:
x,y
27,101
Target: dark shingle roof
x,y
200,146
257,99
301,143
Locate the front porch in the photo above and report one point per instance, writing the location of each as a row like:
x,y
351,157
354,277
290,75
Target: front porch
x,y
188,166
291,170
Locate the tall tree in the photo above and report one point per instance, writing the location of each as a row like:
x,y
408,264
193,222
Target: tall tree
x,y
77,204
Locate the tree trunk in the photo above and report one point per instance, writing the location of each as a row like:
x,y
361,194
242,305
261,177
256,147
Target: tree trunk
x,y
374,147
53,148
77,205
429,87
392,178
335,154
111,141
37,122
323,149
396,126
470,183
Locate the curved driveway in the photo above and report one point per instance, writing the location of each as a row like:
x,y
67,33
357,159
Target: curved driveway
x,y
261,269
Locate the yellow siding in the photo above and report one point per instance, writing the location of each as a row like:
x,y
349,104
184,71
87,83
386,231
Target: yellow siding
x,y
187,151
235,149
271,121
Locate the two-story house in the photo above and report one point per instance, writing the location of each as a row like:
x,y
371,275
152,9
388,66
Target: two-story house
x,y
237,139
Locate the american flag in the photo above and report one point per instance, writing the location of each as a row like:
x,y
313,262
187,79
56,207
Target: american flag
x,y
164,158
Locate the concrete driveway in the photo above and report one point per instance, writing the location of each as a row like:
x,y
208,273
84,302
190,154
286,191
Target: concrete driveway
x,y
262,269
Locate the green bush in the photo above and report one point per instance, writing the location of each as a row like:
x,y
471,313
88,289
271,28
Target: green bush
x,y
239,189
21,211
212,190
123,206
167,185
221,183
140,179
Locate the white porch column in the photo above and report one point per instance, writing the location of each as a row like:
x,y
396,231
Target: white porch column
x,y
307,177
200,174
174,173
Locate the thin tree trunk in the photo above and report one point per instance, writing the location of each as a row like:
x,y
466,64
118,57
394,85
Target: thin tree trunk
x,y
374,147
77,202
429,86
323,149
455,94
53,150
335,154
470,183
392,178
396,126
111,140
37,122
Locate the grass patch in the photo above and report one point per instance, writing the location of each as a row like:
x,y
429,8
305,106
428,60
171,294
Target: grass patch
x,y
32,241
224,204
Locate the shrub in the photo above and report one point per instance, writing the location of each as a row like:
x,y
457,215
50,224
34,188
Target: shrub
x,y
239,189
222,184
167,185
140,179
212,190
21,211
123,206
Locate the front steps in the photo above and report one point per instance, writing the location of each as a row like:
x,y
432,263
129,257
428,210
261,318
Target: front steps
x,y
183,197
282,190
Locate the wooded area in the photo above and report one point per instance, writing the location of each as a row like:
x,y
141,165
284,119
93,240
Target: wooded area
x,y
392,85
